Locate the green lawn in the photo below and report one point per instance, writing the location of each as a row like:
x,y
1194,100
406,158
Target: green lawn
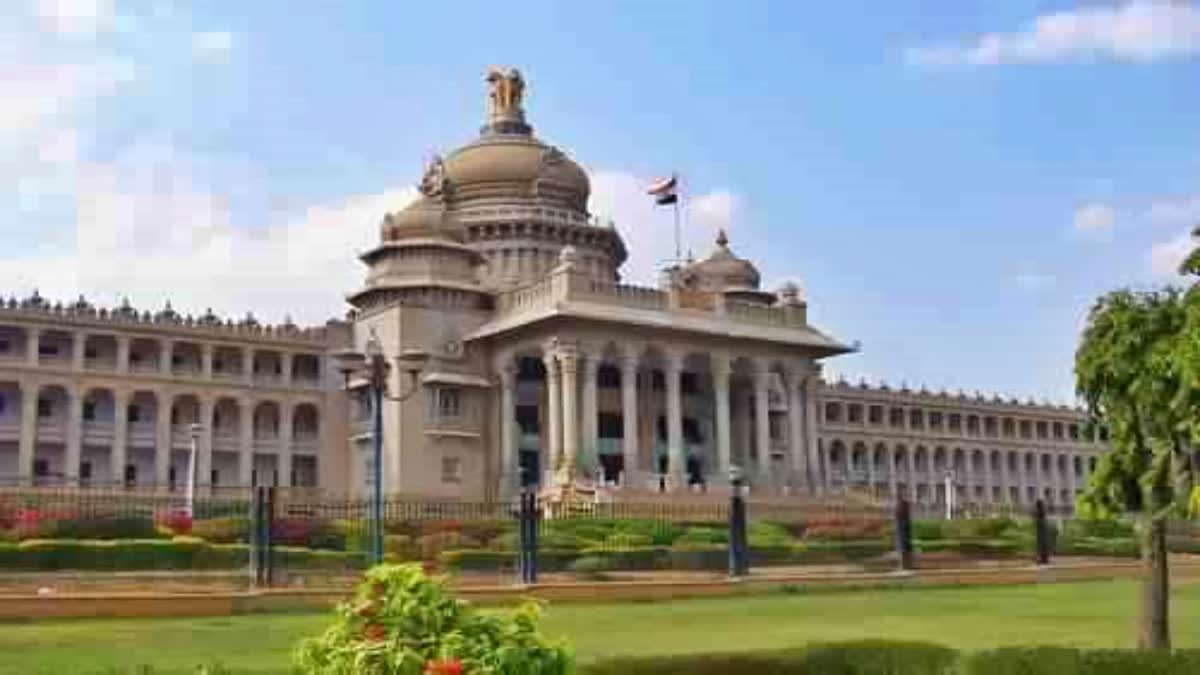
x,y
1096,614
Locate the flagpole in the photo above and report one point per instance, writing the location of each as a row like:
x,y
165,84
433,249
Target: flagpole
x,y
678,237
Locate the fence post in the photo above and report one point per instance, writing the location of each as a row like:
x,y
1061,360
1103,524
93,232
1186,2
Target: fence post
x,y
739,559
258,515
527,558
1042,530
904,546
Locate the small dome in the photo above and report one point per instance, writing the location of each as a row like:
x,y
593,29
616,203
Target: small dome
x,y
423,218
722,271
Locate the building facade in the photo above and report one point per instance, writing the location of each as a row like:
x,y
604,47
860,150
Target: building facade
x,y
538,367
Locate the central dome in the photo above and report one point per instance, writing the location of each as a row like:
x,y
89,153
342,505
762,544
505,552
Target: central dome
x,y
507,165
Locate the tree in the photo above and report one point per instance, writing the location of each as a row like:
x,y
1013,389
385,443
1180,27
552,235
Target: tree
x,y
1139,374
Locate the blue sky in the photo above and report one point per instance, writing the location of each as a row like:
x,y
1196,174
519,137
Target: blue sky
x,y
951,183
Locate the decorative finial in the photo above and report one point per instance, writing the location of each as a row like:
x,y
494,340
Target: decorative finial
x,y
722,238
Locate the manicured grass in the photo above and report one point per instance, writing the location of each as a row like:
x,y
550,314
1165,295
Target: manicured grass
x,y
1095,614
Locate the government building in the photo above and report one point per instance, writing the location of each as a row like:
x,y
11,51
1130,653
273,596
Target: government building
x,y
534,364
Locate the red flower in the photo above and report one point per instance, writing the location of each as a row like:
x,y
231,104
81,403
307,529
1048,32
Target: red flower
x,y
444,667
375,632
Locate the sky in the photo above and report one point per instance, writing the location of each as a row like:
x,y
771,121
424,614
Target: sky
x,y
952,184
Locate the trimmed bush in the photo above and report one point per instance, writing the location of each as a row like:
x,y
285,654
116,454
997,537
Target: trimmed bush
x,y
703,536
1066,661
430,546
928,530
591,567
180,553
844,528
235,530
99,527
985,548
871,657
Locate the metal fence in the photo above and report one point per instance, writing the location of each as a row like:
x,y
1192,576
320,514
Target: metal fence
x,y
270,536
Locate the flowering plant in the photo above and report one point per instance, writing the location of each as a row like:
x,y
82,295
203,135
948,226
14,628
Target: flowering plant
x,y
401,622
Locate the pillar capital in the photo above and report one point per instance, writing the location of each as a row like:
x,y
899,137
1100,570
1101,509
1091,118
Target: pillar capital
x,y
631,352
673,360
721,365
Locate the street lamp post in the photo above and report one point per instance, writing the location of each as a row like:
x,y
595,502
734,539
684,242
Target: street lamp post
x,y
374,368
194,431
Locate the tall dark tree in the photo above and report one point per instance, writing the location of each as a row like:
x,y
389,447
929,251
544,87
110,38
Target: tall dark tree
x,y
1138,369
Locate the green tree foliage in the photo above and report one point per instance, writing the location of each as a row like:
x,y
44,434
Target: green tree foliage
x,y
1138,369
400,622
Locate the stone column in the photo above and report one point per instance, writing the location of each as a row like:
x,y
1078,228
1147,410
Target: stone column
x,y
206,361
74,447
893,489
122,354
968,477
29,427
204,443
721,370
285,369
762,401
284,462
162,440
795,408
569,362
870,457
247,365
510,478
33,338
166,352
676,457
629,415
553,411
910,465
590,425
1005,479
118,456
246,444
817,479
78,355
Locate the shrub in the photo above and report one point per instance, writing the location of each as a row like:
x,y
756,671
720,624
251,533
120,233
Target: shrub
x,y
1102,528
485,531
179,553
308,533
430,546
401,622
1065,661
854,658
627,540
591,567
702,536
763,534
233,530
927,530
842,528
176,523
99,527
398,547
979,528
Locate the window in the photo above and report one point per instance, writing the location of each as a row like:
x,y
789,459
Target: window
x,y
451,470
527,418
85,471
89,411
130,475
41,468
89,353
609,425
5,345
3,402
45,408
688,383
47,350
691,431
216,477
133,414
608,377
447,402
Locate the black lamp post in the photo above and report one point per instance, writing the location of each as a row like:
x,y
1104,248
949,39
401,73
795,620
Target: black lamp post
x,y
374,368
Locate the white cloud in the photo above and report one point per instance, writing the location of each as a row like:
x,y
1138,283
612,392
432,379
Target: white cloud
x,y
649,230
212,47
146,228
1095,220
1139,31
75,18
1166,256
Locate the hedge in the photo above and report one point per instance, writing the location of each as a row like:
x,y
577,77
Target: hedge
x,y
868,657
871,657
1065,661
180,553
699,557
